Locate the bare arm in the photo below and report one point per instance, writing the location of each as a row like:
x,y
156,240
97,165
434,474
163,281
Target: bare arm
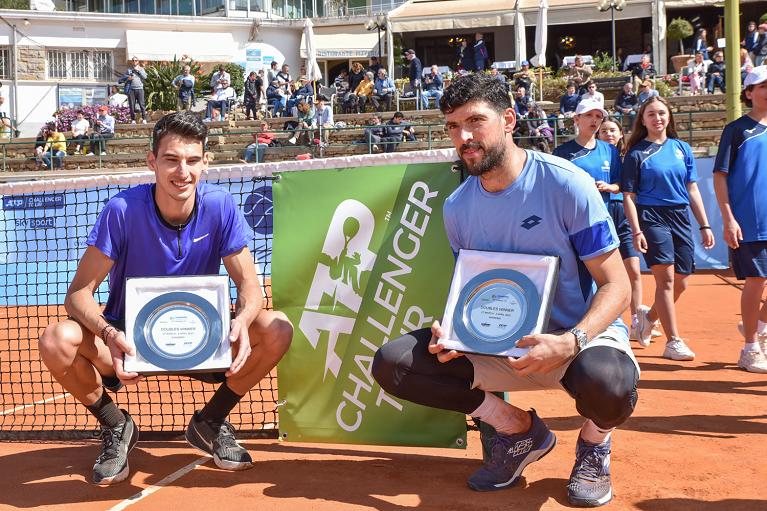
x,y
696,204
732,233
629,207
250,302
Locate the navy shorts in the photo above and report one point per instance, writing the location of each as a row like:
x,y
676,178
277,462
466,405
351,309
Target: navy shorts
x,y
623,228
750,259
668,233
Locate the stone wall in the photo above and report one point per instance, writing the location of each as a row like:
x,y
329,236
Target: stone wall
x,y
31,63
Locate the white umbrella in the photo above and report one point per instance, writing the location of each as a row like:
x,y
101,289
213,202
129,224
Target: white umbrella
x,y
313,72
520,42
541,35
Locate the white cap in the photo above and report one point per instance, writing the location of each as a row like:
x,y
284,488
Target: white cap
x,y
587,105
756,76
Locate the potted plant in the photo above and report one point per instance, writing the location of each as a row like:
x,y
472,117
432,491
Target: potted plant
x,y
679,29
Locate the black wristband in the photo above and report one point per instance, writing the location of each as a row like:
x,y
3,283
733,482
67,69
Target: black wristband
x,y
702,227
103,332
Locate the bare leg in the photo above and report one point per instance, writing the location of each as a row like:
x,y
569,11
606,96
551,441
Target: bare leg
x,y
668,288
750,300
635,278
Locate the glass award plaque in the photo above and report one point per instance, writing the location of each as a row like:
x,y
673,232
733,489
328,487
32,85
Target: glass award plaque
x,y
178,324
497,298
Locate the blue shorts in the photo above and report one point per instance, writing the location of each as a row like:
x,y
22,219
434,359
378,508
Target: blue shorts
x,y
750,259
668,233
623,228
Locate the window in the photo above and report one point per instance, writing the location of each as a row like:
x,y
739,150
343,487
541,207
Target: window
x,y
5,63
80,64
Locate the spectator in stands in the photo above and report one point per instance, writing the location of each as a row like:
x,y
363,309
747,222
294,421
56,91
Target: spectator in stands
x,y
746,64
374,66
751,38
541,134
466,57
341,83
117,98
397,131
715,74
7,125
184,84
523,102
524,77
375,133
362,94
646,91
626,102
415,70
103,130
580,74
433,88
642,70
760,50
262,139
80,127
383,92
219,101
55,148
567,105
272,74
303,91
40,140
252,95
480,52
134,88
696,72
592,94
276,97
324,116
219,77
497,74
701,45
284,79
301,129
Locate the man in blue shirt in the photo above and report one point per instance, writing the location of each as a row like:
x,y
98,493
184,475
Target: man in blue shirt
x,y
546,206
184,84
567,105
103,130
432,88
175,227
383,91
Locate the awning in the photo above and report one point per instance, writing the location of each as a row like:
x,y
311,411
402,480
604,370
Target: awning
x,y
164,45
427,15
344,44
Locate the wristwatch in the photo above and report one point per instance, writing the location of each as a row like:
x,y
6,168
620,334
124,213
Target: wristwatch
x,y
580,338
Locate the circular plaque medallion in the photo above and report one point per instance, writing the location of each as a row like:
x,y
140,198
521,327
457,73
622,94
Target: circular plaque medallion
x,y
177,331
495,309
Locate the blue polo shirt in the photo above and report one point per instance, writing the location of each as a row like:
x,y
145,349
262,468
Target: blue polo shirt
x,y
552,208
658,173
743,157
131,232
603,162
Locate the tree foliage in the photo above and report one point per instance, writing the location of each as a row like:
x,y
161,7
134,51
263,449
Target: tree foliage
x,y
22,5
679,29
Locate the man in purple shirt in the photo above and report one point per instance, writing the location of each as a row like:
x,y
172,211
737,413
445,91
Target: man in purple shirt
x,y
175,227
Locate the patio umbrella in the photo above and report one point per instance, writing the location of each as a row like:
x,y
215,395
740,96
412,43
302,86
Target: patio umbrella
x,y
520,42
313,72
541,37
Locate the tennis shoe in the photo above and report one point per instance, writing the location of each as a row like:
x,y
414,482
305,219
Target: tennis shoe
x,y
112,464
590,484
217,439
760,338
676,349
753,361
644,326
510,454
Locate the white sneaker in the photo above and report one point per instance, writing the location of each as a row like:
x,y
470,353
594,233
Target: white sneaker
x,y
656,329
753,361
676,349
644,326
143,121
90,153
133,122
103,153
292,140
760,338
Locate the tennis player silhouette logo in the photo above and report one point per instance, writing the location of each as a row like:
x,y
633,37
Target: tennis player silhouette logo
x,y
346,266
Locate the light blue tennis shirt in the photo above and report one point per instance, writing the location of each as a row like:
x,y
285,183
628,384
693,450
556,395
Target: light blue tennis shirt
x,y
131,232
659,173
743,157
552,208
602,162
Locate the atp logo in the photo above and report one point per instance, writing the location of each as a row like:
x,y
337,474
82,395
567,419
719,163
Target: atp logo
x,y
530,222
335,294
258,210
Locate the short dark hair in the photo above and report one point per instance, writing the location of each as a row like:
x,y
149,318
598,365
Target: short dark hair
x,y
475,87
184,124
399,115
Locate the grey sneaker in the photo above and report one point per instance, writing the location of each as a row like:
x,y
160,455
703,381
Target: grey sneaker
x,y
510,454
217,439
112,464
676,349
590,484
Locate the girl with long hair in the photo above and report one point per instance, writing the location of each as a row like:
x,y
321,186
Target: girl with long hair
x,y
659,188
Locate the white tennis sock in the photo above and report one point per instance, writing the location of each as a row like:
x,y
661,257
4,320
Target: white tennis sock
x,y
752,347
593,434
498,413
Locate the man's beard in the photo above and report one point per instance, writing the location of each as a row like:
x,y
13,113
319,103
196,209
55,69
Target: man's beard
x,y
494,157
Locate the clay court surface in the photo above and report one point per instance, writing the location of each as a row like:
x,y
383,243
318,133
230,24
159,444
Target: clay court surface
x,y
697,441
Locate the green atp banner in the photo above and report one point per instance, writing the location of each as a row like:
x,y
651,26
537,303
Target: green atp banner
x,y
359,257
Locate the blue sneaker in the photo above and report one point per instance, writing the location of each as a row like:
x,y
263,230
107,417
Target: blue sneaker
x,y
510,454
590,484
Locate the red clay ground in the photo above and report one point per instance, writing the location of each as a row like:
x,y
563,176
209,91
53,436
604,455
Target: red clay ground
x,y
697,442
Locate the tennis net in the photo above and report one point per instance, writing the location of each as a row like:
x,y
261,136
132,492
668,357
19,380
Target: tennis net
x,y
43,228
